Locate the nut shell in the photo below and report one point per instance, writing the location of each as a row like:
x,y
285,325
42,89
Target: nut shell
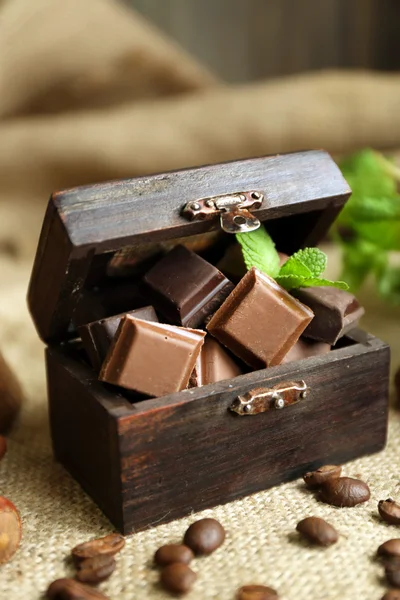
x,y
10,530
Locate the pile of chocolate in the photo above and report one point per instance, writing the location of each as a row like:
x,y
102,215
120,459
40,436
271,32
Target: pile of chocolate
x,y
200,328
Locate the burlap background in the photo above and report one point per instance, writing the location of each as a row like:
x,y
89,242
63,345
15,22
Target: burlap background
x,y
83,87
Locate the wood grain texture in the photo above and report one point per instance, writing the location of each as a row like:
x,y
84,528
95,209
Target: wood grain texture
x,y
86,221
243,41
187,451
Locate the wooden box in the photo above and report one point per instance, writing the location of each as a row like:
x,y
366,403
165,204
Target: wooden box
x,y
151,461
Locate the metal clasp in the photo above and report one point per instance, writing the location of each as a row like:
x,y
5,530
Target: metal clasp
x,y
233,209
260,400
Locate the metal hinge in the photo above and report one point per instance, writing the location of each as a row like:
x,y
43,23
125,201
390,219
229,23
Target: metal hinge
x,y
233,209
262,399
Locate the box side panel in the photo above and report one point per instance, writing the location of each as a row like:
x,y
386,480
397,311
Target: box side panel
x,y
84,434
184,457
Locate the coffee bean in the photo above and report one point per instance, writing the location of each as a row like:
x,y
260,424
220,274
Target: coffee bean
x,y
318,531
3,446
392,576
391,595
10,530
314,479
389,511
390,548
344,491
97,569
69,589
110,544
256,592
173,553
204,536
177,578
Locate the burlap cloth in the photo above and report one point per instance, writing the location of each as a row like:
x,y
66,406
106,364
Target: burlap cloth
x,y
83,86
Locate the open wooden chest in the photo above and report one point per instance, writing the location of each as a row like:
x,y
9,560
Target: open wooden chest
x,y
151,461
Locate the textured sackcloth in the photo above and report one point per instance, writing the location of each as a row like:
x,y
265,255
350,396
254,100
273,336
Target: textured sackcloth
x,y
83,86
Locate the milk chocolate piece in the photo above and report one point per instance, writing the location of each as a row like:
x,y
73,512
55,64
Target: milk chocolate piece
x,y
151,358
185,288
97,336
336,312
213,364
260,321
305,349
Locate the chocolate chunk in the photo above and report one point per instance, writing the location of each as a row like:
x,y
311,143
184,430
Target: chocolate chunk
x,y
213,364
98,335
185,288
151,358
260,321
305,349
336,312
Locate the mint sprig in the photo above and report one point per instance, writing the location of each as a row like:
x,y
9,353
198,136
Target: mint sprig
x,y
302,269
368,228
259,251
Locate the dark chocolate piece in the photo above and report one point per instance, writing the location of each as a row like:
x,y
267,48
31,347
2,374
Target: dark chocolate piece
x,y
185,288
260,321
305,349
213,364
97,336
151,358
335,312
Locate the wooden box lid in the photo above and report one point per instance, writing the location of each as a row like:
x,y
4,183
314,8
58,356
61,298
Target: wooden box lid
x,y
85,226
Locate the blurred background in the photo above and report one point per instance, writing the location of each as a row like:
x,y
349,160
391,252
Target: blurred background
x,y
253,39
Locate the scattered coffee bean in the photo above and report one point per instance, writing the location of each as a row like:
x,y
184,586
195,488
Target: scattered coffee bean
x,y
256,592
390,511
391,595
177,578
69,589
10,530
3,446
204,536
392,574
110,544
173,553
97,569
344,491
318,531
389,549
314,479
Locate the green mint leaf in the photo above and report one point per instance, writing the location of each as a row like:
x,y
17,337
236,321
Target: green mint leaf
x,y
259,251
309,262
291,282
374,209
389,284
